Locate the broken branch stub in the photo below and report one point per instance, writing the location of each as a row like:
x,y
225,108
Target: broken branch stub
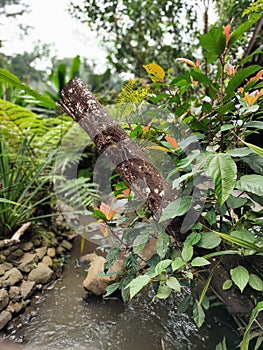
x,y
111,140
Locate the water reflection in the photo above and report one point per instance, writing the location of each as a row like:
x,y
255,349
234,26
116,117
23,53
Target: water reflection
x,y
66,322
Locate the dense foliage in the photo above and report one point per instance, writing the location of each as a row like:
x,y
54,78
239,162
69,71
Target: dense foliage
x,y
200,143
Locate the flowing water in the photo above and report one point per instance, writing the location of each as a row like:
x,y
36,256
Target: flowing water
x,y
65,321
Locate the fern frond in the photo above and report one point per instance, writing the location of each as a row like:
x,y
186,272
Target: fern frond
x,y
78,192
131,94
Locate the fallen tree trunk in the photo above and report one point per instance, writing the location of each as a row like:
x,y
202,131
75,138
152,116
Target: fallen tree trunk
x,y
142,177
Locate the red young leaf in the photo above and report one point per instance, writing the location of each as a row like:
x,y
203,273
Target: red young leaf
x,y
226,31
105,209
172,142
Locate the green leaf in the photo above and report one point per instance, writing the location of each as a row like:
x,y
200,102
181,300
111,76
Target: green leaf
x,y
189,275
255,148
254,124
139,242
255,162
193,238
239,152
251,183
111,289
227,284
236,202
222,345
209,240
137,284
239,78
229,106
246,338
198,314
162,266
255,282
184,305
223,170
177,264
253,18
201,78
75,67
199,261
11,79
214,42
240,277
187,252
240,242
173,283
211,216
245,235
162,244
177,208
163,292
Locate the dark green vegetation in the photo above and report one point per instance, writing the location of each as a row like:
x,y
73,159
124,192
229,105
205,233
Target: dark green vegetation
x,y
217,99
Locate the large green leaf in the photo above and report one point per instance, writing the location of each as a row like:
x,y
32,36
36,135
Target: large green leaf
x,y
209,240
173,283
253,18
255,162
11,79
198,314
240,77
177,208
222,168
137,284
251,183
240,277
162,266
213,42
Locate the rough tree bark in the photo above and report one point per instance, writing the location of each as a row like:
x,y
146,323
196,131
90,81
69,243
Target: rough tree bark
x,y
143,178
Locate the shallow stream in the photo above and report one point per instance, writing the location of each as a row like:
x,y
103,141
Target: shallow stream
x,y
65,321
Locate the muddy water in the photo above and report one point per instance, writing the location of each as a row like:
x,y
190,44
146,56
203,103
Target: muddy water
x,y
65,321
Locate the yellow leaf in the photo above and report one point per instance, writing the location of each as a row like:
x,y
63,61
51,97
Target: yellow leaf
x,y
159,148
104,230
250,99
185,60
194,82
156,71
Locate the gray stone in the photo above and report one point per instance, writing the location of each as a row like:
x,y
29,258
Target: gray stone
x,y
48,261
5,267
41,274
4,299
51,252
60,250
5,317
14,292
27,288
27,262
27,246
41,252
16,308
36,242
17,253
54,242
2,258
67,245
12,276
